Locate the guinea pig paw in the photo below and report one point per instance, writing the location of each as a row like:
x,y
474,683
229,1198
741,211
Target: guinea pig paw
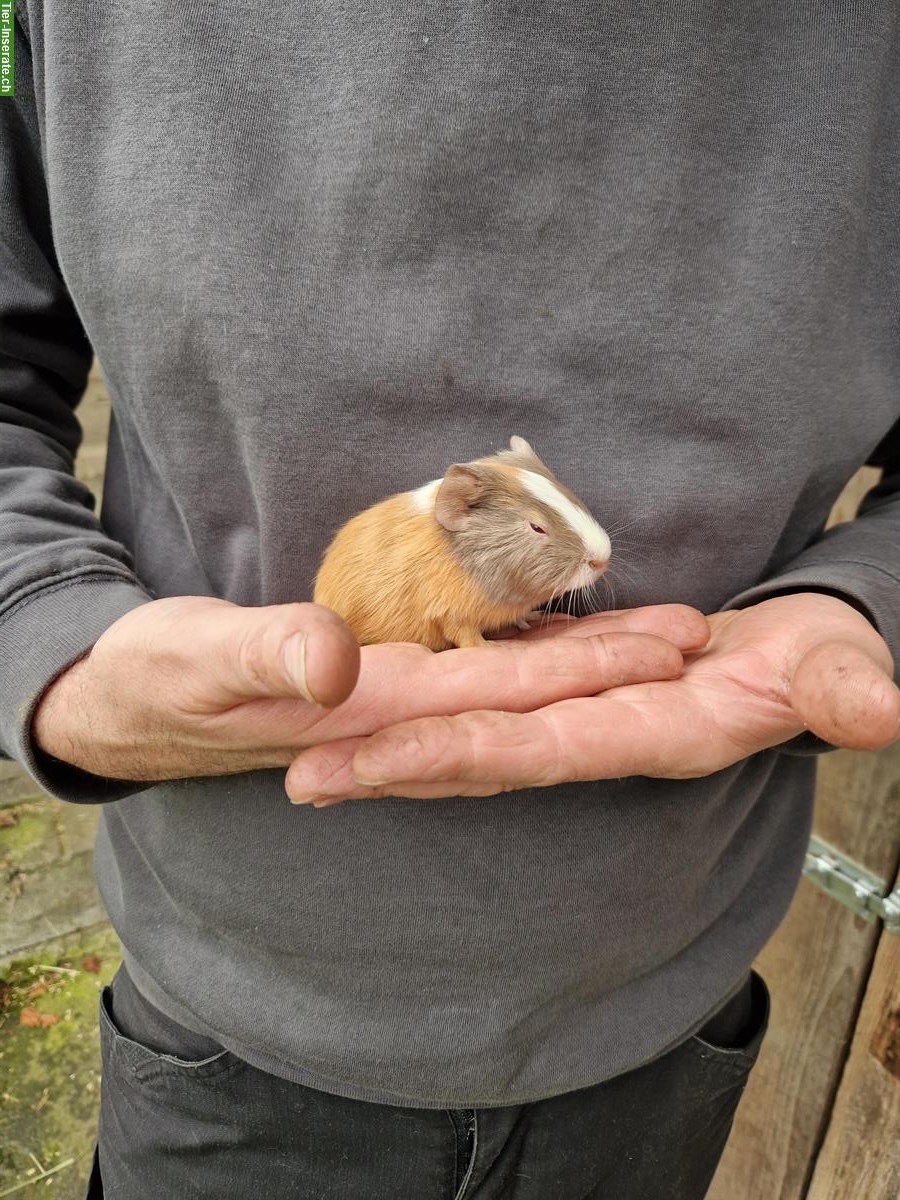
x,y
536,614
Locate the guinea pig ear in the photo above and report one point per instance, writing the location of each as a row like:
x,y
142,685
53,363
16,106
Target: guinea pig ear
x,y
519,446
460,491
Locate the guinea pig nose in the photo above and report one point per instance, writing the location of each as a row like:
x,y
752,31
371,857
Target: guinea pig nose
x,y
597,564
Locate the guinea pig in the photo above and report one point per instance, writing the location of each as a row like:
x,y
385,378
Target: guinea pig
x,y
472,553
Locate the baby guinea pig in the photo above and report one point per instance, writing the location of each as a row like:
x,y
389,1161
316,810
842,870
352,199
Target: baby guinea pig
x,y
468,554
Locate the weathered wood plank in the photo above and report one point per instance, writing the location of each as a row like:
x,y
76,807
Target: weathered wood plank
x,y
93,415
860,1158
858,806
816,967
848,501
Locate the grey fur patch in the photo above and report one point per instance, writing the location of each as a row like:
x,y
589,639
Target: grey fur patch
x,y
496,547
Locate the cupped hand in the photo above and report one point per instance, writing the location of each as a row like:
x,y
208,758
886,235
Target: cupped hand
x,y
196,686
806,661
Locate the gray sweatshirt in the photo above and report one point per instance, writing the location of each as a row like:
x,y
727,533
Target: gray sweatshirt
x,y
323,251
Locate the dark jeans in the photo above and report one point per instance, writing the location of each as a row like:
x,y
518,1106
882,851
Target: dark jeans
x,y
183,1119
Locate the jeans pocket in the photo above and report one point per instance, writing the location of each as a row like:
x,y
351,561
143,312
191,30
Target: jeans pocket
x,y
158,1110
143,1064
740,1058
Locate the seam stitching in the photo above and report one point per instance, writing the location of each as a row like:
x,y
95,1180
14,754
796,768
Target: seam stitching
x,y
473,1128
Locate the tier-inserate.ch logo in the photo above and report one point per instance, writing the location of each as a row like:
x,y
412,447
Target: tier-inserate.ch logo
x,y
7,49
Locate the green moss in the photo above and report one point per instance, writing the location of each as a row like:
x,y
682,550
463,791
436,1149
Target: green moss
x,y
49,1077
32,841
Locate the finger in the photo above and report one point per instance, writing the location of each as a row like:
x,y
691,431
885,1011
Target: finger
x,y
683,626
332,780
843,696
285,650
342,786
325,771
575,739
513,676
408,790
517,675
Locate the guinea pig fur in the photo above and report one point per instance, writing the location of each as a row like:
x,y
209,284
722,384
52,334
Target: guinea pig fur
x,y
471,553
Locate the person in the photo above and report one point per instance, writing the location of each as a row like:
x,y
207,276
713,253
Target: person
x,y
322,252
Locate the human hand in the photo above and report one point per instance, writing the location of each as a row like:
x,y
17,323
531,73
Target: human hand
x,y
191,685
769,672
194,685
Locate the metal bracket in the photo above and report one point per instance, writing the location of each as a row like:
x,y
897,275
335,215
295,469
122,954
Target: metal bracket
x,y
852,885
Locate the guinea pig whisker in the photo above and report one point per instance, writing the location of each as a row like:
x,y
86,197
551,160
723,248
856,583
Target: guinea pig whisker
x,y
610,586
627,554
548,609
615,530
621,587
614,574
625,591
624,569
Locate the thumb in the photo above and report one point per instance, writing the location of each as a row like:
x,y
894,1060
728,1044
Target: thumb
x,y
844,696
287,650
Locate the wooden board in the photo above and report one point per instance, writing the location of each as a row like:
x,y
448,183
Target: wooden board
x,y
817,966
93,415
848,501
860,1158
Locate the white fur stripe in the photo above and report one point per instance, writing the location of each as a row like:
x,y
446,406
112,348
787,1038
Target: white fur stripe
x,y
423,497
595,539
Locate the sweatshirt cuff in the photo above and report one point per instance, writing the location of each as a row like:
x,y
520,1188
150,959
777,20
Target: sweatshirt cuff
x,y
871,588
40,636
865,586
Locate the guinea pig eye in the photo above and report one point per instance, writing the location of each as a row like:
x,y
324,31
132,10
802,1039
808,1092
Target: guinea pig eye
x,y
536,528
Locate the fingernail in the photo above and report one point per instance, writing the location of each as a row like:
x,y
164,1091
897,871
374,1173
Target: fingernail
x,y
293,656
368,782
312,798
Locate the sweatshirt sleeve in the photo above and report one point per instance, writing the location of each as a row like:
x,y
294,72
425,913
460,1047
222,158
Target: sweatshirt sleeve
x,y
63,581
858,561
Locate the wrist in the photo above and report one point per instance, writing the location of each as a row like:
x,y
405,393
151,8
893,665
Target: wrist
x,y
51,732
853,601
